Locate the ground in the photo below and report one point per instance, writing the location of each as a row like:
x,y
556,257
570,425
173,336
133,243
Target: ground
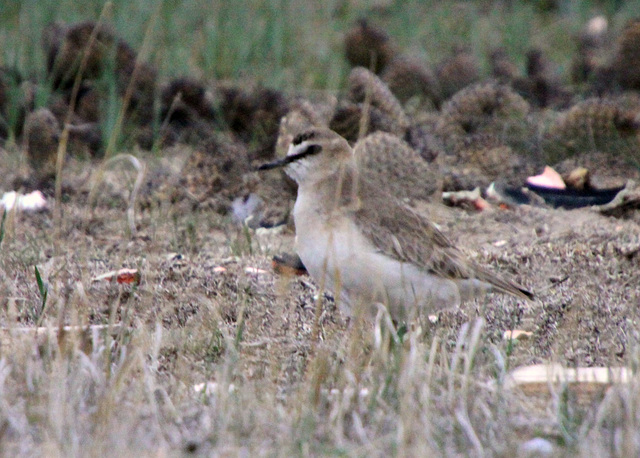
x,y
280,370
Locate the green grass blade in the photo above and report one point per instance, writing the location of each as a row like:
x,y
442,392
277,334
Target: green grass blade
x,y
4,218
43,288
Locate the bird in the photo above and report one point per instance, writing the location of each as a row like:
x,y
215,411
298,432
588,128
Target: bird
x,y
368,247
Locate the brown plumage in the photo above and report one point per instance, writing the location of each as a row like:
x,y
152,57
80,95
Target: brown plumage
x,y
402,234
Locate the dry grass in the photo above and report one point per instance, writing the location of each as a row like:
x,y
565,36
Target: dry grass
x,y
271,387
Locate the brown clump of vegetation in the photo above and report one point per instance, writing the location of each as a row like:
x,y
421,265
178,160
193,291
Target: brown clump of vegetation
x,y
91,49
409,77
364,87
216,173
254,115
42,134
482,159
596,124
368,46
481,108
457,71
394,165
626,63
502,67
355,120
185,99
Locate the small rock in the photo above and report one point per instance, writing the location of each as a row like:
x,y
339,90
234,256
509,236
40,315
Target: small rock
x,y
536,447
578,178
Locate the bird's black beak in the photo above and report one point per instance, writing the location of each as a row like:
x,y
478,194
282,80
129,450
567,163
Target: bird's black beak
x,y
275,164
308,151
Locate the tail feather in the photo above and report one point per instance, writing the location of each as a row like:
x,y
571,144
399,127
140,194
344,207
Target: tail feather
x,y
504,286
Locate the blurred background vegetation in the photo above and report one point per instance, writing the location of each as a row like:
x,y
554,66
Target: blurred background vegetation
x,y
290,44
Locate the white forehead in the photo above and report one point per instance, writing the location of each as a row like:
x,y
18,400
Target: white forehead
x,y
295,149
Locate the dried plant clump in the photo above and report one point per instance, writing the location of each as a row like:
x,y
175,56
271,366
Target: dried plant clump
x,y
457,71
349,119
42,134
368,46
66,48
541,86
502,67
85,140
423,139
254,115
482,108
217,172
186,98
626,62
85,136
408,77
142,87
90,103
597,124
391,162
592,51
364,85
482,159
188,113
149,137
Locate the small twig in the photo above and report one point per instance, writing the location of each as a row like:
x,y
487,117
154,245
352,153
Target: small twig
x,y
140,167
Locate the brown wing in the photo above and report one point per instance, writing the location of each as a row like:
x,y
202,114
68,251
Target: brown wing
x,y
401,233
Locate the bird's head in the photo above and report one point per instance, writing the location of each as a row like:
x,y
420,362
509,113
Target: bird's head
x,y
314,154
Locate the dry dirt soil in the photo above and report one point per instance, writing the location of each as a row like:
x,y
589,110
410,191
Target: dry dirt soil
x,y
208,286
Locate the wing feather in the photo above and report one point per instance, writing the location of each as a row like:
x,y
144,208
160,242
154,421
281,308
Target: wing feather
x,y
401,233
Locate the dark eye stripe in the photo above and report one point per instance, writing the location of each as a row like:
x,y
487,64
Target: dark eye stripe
x,y
308,151
304,136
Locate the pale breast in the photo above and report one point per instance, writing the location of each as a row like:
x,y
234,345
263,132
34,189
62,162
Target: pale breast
x,y
342,260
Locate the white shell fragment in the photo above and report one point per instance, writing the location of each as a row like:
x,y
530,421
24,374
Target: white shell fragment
x,y
32,202
516,334
543,375
549,178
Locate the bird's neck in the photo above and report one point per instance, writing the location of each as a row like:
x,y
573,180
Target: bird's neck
x,y
333,193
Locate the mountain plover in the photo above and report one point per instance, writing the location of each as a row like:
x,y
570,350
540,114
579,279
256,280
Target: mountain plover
x,y
365,245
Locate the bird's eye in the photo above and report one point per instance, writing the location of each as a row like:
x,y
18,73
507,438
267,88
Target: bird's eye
x,y
310,150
